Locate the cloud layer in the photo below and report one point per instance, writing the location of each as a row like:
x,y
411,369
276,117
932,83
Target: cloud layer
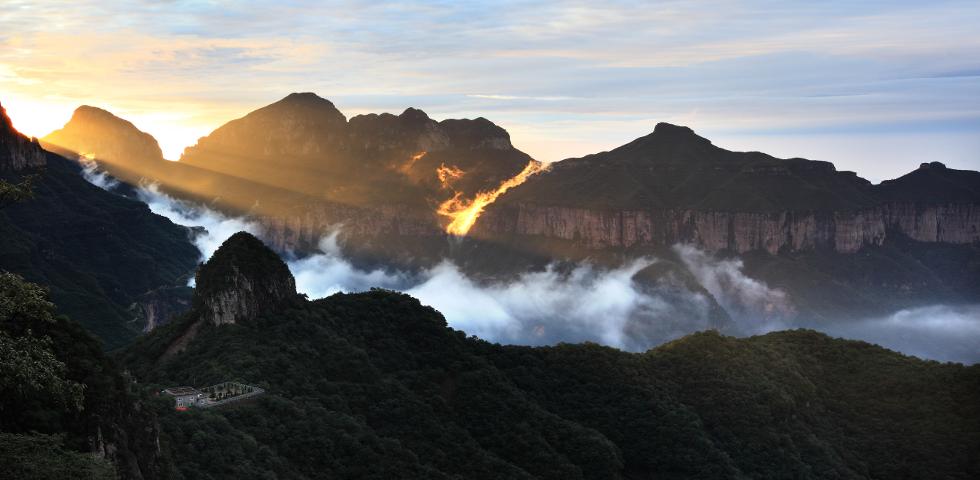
x,y
939,332
612,307
872,86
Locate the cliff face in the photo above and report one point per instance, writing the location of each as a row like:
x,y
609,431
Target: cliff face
x,y
302,169
301,231
844,232
17,152
674,186
157,307
303,144
242,279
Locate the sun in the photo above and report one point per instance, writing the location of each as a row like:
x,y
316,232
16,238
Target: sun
x,y
36,118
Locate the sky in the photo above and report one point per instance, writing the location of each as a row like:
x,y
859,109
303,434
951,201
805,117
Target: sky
x,y
877,87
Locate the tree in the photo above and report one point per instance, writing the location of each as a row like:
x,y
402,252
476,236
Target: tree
x,y
41,457
11,193
28,364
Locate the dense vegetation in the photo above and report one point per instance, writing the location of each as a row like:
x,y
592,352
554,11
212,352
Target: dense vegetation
x,y
375,385
96,251
61,398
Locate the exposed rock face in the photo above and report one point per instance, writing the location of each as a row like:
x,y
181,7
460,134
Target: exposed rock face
x,y
17,152
302,169
302,232
674,186
241,280
844,232
157,307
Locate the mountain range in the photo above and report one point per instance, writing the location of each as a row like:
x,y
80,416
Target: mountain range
x,y
400,189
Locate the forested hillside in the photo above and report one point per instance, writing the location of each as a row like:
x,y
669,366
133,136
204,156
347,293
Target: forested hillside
x,y
375,385
96,251
66,410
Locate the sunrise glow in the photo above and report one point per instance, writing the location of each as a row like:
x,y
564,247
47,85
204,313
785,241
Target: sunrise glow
x,y
463,213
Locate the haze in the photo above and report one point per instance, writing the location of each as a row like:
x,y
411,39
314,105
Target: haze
x,y
877,88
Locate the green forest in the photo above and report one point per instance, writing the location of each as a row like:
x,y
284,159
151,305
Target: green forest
x,y
376,385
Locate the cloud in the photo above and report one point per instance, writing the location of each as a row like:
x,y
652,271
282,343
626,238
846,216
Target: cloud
x,y
614,307
95,176
585,303
518,97
940,332
328,272
567,76
215,227
756,307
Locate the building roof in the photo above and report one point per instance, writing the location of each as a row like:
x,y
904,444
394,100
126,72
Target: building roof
x,y
181,391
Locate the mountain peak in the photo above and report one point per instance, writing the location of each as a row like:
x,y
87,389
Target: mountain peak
x,y
305,97
242,280
412,113
676,132
92,130
88,111
311,108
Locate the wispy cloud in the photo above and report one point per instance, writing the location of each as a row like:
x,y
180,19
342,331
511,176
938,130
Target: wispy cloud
x,y
562,76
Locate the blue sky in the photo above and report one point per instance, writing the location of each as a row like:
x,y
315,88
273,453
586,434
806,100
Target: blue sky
x,y
877,87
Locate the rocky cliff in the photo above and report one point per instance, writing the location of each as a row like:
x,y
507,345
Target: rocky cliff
x,y
841,231
17,152
242,279
157,307
674,186
303,169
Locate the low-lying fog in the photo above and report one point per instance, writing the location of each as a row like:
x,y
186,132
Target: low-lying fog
x,y
590,304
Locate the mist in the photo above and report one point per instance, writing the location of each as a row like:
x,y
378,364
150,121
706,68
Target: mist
x,y
948,333
96,176
755,306
588,303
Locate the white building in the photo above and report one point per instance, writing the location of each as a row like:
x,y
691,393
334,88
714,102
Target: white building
x,y
184,397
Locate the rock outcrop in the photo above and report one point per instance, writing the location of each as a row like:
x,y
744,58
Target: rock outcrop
x,y
17,152
842,231
158,306
241,280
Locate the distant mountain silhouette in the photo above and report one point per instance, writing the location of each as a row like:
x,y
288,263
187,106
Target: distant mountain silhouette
x,y
300,169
